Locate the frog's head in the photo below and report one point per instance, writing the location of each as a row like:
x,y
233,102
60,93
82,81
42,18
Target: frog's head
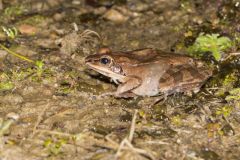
x,y
105,63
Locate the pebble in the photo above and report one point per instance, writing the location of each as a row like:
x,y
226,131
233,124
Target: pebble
x,y
138,6
13,99
59,16
3,54
76,2
25,50
45,43
27,29
13,116
115,16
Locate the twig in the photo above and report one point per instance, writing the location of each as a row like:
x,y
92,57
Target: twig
x,y
111,141
127,142
120,148
75,26
5,125
231,55
39,119
88,32
132,128
17,55
54,132
155,142
140,151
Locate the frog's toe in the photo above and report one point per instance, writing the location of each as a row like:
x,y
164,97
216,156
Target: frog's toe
x,y
159,100
125,95
107,94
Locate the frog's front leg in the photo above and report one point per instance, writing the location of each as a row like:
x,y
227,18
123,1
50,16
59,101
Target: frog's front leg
x,y
124,89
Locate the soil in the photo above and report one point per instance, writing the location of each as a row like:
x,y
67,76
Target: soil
x,y
51,104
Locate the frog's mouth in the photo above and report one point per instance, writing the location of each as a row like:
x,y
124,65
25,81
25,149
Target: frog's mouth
x,y
106,72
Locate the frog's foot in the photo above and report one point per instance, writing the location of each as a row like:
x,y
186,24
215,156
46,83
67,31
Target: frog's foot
x,y
117,95
125,95
107,94
160,100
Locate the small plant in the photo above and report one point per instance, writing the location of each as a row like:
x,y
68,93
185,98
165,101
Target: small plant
x,y
33,20
234,95
214,130
227,83
4,86
66,87
15,54
5,83
210,43
54,147
224,111
10,32
176,120
14,11
39,65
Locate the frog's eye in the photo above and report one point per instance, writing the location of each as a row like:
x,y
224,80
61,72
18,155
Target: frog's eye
x,y
105,60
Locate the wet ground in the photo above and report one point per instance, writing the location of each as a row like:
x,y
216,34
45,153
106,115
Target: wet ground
x,y
51,105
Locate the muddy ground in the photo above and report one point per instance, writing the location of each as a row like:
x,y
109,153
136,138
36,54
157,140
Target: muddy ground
x,y
51,105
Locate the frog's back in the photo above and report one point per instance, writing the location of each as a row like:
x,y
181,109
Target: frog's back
x,y
183,78
148,55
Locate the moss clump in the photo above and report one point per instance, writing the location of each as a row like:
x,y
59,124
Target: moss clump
x,y
54,147
13,11
34,20
4,86
177,120
5,82
224,111
227,84
234,94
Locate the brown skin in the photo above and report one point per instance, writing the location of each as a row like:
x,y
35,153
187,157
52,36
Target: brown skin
x,y
148,72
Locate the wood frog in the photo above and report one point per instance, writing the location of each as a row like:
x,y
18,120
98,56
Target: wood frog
x,y
149,72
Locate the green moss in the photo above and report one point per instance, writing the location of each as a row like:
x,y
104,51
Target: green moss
x,y
6,86
214,130
54,147
34,20
234,95
227,83
177,120
142,113
230,80
224,111
38,72
5,82
65,89
14,10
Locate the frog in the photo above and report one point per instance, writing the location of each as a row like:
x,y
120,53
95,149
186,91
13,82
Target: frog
x,y
149,72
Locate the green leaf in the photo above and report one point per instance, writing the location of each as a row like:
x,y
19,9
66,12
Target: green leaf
x,y
210,43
